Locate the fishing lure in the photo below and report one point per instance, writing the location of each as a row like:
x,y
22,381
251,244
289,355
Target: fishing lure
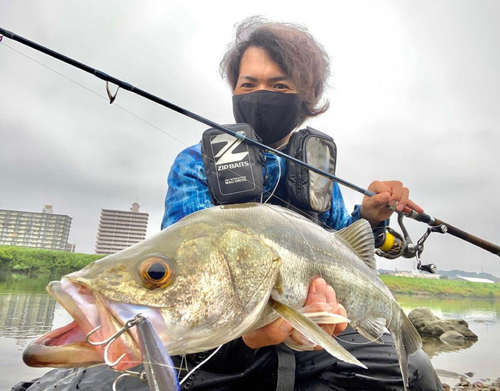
x,y
159,372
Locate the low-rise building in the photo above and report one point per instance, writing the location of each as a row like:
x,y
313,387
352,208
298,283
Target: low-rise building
x,y
473,279
45,230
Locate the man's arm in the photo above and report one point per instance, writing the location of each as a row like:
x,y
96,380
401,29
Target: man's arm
x,y
187,187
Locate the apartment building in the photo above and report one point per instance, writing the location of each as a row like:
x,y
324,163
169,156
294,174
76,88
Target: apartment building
x,y
120,229
45,230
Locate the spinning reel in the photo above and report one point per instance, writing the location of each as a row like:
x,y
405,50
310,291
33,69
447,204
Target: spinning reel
x,y
395,245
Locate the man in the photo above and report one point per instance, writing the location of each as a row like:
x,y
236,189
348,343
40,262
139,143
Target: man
x,y
278,73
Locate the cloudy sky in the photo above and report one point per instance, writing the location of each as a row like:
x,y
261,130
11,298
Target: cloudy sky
x,y
414,92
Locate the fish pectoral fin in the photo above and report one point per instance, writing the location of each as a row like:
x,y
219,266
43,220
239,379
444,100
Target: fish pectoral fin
x,y
305,345
313,332
372,329
320,313
325,317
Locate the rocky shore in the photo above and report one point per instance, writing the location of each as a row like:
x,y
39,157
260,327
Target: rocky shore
x,y
439,336
466,384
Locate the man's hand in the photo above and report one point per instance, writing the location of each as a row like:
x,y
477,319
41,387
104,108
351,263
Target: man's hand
x,y
279,330
389,193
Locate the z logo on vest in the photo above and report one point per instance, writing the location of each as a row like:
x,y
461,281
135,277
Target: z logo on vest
x,y
227,158
234,168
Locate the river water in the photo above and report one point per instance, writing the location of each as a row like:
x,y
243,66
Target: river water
x,y
27,311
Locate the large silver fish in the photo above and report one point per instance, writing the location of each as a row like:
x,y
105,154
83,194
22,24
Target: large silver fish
x,y
215,275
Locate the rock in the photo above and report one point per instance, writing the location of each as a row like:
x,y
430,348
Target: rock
x,y
452,338
463,382
428,324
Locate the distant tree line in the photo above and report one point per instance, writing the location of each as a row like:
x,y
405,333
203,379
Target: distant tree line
x,y
24,259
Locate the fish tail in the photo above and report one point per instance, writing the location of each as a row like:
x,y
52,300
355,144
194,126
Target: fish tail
x,y
407,341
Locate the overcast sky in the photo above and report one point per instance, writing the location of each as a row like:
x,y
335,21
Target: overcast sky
x,y
414,92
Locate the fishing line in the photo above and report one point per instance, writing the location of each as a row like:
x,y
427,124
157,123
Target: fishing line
x,y
127,86
183,366
199,365
275,187
282,214
421,217
95,93
271,194
368,341
183,143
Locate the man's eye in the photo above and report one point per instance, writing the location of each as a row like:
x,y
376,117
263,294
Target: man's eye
x,y
246,85
281,86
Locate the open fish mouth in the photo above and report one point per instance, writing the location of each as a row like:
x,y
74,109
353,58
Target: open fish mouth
x,y
67,346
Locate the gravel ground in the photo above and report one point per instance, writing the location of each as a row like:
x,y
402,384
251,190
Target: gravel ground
x,y
465,384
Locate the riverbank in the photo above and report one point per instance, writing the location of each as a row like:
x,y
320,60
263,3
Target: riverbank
x,y
441,287
32,260
24,260
26,310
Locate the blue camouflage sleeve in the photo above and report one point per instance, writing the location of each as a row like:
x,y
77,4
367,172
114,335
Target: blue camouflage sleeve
x,y
338,217
187,187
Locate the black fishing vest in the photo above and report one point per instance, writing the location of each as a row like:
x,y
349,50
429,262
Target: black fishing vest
x,y
234,169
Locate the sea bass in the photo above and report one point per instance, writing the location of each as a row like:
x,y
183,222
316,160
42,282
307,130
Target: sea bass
x,y
217,274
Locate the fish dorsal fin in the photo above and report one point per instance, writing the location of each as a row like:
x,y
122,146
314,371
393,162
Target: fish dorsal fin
x,y
359,236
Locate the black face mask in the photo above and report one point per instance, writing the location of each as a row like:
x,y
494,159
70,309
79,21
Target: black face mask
x,y
273,115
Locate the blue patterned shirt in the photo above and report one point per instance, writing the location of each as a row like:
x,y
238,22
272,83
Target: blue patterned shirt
x,y
188,190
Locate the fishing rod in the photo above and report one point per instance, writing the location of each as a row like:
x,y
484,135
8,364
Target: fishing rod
x,y
436,225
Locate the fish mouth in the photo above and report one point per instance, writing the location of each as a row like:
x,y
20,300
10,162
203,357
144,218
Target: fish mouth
x,y
67,346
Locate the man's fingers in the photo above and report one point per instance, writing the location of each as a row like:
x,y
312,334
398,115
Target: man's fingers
x,y
330,296
332,300
339,328
320,294
414,206
272,334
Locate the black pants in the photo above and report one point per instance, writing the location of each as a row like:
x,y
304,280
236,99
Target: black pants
x,y
237,367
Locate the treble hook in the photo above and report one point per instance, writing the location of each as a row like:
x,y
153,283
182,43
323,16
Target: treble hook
x,y
140,375
110,95
129,324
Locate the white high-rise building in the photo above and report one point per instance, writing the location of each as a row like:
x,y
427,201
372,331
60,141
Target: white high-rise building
x,y
120,229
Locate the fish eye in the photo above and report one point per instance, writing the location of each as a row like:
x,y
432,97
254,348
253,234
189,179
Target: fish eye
x,y
157,272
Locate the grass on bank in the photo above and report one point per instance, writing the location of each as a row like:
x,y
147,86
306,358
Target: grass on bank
x,y
441,287
23,259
